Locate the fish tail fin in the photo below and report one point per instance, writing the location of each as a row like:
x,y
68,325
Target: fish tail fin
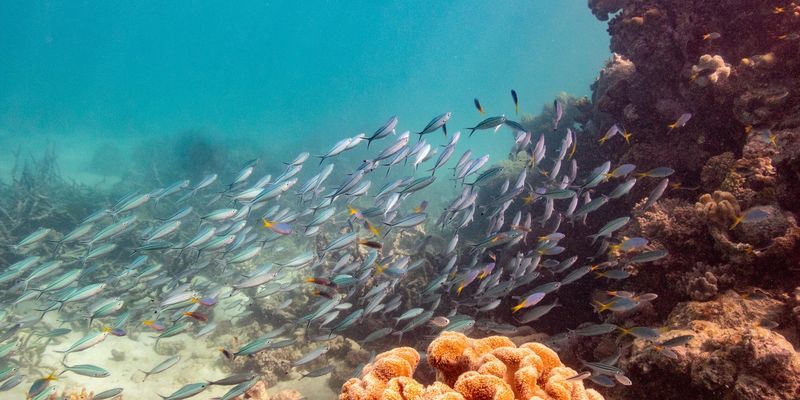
x,y
598,275
65,368
516,109
472,130
736,222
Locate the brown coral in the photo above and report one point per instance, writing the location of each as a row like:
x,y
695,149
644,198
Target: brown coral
x,y
727,358
720,208
491,368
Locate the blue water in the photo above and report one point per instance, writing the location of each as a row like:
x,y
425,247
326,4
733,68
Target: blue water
x,y
136,96
276,76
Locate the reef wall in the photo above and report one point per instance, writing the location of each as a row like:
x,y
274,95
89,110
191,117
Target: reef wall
x,y
733,66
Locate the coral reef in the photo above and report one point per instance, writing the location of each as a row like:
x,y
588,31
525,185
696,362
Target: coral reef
x,y
472,369
739,148
739,151
720,208
710,70
601,8
397,363
274,365
575,110
728,357
259,392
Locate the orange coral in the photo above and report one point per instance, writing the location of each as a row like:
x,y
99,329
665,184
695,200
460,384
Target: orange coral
x,y
491,368
451,355
476,386
398,363
76,395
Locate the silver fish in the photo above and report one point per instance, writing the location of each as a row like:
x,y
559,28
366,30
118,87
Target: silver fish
x,y
161,367
440,121
559,113
310,356
609,228
337,149
489,123
385,130
656,193
408,221
340,242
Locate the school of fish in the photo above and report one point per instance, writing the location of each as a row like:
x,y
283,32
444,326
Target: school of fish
x,y
215,244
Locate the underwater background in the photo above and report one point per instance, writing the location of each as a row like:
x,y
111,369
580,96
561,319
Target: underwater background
x,y
399,200
269,77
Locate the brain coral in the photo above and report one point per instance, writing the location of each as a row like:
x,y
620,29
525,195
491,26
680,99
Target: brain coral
x,y
470,369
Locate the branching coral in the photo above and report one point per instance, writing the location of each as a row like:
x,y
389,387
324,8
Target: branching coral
x,y
704,281
721,210
752,180
471,369
716,169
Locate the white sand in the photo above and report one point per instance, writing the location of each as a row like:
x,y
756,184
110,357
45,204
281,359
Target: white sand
x,y
200,361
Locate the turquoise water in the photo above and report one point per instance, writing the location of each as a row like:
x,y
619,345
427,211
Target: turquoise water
x,y
275,75
133,97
